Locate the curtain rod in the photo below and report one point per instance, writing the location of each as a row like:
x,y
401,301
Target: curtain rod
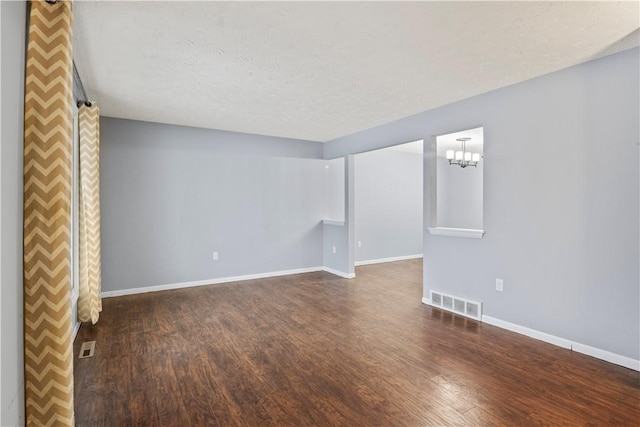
x,y
78,80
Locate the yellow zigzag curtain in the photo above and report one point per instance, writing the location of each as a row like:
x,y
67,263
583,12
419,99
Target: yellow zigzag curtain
x,y
89,302
48,122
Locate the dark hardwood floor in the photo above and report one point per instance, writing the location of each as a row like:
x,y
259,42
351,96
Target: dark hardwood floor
x,y
315,349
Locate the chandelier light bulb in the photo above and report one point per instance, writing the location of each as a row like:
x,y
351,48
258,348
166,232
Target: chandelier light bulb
x,y
462,157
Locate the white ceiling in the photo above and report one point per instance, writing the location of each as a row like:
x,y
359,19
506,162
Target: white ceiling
x,y
321,70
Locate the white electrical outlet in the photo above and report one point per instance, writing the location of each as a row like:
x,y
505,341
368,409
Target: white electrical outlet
x,y
359,244
215,256
499,285
333,249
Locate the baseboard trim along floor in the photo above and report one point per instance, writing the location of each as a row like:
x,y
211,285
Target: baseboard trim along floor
x,y
605,355
339,273
383,260
320,350
170,286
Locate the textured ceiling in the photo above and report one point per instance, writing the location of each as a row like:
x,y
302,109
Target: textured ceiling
x,y
321,70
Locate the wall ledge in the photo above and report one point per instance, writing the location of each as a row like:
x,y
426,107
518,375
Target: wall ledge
x,y
457,232
333,222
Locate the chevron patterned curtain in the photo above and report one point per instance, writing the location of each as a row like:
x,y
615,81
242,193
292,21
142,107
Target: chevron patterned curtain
x,y
89,302
48,134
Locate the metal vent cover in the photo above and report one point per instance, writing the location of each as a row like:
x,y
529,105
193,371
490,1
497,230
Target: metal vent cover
x,y
457,305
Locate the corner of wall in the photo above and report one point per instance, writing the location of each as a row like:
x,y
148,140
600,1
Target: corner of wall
x,y
13,16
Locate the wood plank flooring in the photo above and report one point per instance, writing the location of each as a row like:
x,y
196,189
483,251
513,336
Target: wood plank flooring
x,y
317,350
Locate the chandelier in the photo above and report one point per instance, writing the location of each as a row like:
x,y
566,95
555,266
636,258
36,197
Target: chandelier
x,y
463,158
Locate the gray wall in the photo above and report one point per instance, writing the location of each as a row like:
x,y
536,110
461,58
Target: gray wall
x,y
336,236
459,192
342,236
388,204
561,202
334,196
172,195
11,357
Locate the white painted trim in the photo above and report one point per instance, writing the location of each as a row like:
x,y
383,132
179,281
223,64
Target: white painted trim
x,y
552,339
1,259
333,222
457,232
617,359
339,273
157,288
75,295
383,260
76,328
605,355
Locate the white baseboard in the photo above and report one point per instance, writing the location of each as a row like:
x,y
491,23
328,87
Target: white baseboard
x,y
157,288
339,273
551,339
382,260
625,361
607,356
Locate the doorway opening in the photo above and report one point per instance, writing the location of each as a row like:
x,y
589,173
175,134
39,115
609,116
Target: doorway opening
x,y
388,204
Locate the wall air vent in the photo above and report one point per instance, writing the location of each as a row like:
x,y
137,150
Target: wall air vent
x,y
461,306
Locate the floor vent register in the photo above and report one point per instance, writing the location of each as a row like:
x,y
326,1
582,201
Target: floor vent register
x,y
461,306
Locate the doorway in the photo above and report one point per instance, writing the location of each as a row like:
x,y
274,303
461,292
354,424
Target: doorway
x,y
388,200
